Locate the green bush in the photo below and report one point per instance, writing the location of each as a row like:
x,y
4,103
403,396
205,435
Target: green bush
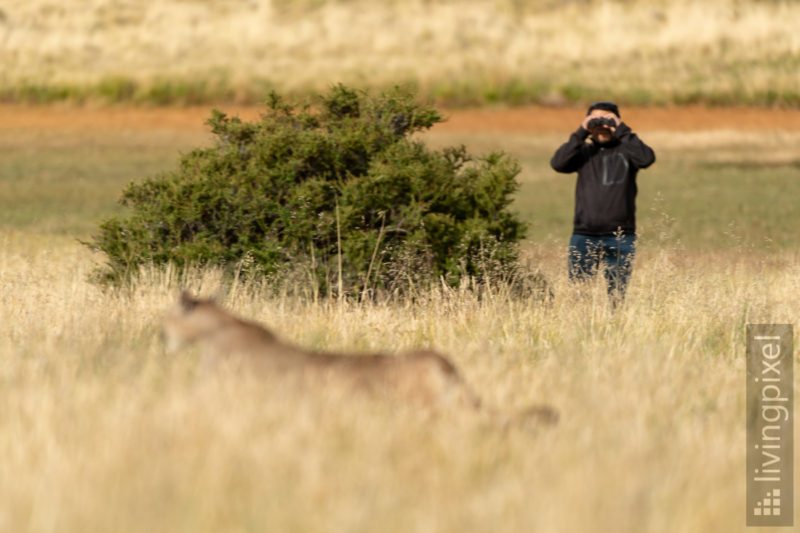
x,y
337,191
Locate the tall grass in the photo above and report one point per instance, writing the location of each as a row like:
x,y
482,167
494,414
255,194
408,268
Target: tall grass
x,y
101,430
713,51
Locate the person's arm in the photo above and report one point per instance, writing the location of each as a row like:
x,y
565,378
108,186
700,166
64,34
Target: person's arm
x,y
638,153
571,155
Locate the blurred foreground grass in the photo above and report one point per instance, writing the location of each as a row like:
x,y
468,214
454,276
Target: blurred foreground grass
x,y
101,430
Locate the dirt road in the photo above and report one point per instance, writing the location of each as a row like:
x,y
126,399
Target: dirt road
x,y
527,119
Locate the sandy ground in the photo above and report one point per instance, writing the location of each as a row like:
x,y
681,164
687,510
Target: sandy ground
x,y
526,119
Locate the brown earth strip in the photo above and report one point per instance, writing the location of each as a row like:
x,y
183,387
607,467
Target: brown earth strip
x,y
526,119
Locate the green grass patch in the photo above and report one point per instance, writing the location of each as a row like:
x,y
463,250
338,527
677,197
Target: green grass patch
x,y
463,92
697,204
68,190
163,91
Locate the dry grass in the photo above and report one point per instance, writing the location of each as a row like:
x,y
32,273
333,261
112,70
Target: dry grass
x,y
637,51
101,431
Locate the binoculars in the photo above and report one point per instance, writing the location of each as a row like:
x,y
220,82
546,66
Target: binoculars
x,y
601,121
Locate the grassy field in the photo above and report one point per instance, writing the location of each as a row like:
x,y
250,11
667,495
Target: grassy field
x,y
709,189
541,51
100,430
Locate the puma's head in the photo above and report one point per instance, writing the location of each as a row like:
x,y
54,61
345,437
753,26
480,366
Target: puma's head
x,y
189,320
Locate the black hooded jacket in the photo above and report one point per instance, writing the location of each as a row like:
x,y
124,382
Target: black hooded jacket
x,y
605,193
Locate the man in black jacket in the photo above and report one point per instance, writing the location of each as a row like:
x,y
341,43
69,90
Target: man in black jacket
x,y
607,155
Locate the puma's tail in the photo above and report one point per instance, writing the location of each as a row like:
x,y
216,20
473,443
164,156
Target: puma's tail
x,y
533,417
540,414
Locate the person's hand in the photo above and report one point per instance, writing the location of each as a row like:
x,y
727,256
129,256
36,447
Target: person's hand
x,y
616,120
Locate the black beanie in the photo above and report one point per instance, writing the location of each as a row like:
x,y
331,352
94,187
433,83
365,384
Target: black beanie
x,y
605,106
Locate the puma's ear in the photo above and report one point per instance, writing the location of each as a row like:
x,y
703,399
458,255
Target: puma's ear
x,y
187,301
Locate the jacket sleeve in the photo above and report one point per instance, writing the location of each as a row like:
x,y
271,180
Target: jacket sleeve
x,y
571,155
638,153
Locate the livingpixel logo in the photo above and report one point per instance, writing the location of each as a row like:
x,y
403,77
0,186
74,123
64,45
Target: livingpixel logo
x,y
770,505
770,425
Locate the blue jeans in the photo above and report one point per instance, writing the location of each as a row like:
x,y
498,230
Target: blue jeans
x,y
614,252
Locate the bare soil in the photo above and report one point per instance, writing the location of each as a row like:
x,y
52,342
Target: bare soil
x,y
525,119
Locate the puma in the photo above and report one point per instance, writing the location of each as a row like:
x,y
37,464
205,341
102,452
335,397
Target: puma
x,y
421,377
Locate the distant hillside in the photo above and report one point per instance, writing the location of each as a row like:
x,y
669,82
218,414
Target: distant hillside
x,y
458,53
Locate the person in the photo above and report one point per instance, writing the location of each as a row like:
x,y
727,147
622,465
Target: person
x,y
607,156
